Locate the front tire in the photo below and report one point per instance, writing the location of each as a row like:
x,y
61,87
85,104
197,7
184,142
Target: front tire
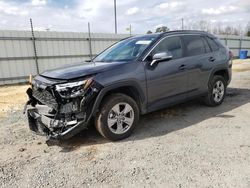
x,y
216,91
117,117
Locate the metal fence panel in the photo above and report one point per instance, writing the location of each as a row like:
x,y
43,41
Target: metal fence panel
x,y
246,44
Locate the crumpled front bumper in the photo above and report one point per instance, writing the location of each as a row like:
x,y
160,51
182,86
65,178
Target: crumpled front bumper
x,y
41,123
50,114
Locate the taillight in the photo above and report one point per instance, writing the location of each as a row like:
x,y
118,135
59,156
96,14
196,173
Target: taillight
x,y
231,55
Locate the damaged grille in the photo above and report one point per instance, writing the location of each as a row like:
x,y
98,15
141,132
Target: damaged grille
x,y
45,97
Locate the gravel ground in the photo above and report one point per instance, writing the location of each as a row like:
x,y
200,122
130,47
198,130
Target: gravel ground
x,y
188,145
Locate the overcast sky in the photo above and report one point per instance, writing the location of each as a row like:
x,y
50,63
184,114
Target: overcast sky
x,y
143,15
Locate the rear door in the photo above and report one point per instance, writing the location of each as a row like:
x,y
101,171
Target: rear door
x,y
198,63
218,53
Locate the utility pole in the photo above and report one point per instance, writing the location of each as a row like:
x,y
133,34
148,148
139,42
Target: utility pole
x,y
182,25
115,17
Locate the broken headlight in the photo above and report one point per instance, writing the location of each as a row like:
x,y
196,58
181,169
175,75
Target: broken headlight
x,y
73,89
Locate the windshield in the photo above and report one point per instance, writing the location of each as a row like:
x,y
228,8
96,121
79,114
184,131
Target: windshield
x,y
125,50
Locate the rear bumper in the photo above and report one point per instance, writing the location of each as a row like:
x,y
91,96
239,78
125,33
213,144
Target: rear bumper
x,y
229,75
41,124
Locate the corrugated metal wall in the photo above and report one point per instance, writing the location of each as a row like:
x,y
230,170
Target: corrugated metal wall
x,y
18,56
13,46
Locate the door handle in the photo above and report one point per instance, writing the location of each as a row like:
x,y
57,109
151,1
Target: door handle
x,y
212,59
182,67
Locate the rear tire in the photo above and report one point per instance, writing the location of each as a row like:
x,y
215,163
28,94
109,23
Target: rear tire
x,y
216,91
117,117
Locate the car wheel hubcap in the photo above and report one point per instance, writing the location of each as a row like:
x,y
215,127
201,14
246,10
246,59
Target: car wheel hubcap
x,y
120,118
218,91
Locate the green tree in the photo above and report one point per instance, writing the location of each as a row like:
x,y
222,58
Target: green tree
x,y
149,32
162,29
248,33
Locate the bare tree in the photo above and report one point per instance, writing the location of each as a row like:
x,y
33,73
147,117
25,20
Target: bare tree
x,y
202,25
209,27
215,30
218,28
248,29
236,31
228,30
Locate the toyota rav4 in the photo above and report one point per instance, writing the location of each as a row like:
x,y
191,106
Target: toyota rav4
x,y
135,76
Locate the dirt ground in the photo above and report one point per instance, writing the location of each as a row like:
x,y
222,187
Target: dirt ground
x,y
188,145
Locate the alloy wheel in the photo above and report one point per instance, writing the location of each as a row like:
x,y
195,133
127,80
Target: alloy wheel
x,y
218,91
120,118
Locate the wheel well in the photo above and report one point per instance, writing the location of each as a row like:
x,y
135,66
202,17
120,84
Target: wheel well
x,y
127,90
223,73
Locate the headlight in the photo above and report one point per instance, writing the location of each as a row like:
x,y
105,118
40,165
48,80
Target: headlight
x,y
61,87
73,89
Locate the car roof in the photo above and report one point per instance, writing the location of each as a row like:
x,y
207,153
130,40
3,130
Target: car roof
x,y
178,32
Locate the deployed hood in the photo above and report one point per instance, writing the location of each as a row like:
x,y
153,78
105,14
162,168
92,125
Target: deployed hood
x,y
79,70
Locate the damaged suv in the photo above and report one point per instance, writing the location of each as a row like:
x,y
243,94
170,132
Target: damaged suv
x,y
135,76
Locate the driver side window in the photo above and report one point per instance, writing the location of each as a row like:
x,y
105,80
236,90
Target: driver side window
x,y
169,44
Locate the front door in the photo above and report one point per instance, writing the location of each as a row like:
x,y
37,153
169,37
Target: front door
x,y
167,80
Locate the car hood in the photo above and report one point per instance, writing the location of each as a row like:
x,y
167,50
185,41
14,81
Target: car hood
x,y
80,70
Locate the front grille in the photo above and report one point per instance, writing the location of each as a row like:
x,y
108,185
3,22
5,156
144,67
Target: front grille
x,y
45,97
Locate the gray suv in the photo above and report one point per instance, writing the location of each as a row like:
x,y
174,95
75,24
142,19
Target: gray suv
x,y
135,76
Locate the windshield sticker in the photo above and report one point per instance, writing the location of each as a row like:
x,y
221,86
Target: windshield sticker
x,y
143,42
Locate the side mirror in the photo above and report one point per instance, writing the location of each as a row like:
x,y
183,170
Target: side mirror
x,y
163,56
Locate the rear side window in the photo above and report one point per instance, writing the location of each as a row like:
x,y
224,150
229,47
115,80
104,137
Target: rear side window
x,y
213,45
170,44
194,45
207,48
